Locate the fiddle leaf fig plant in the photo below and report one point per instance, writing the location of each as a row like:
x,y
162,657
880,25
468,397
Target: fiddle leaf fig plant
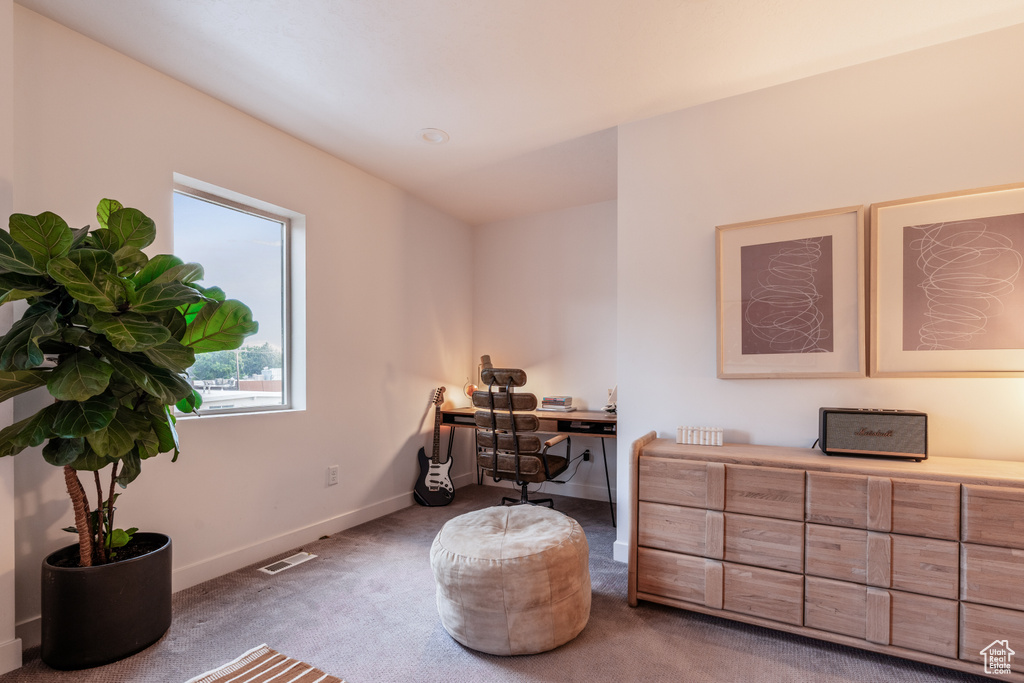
x,y
110,333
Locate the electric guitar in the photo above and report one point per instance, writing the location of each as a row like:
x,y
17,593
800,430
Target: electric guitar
x,y
434,486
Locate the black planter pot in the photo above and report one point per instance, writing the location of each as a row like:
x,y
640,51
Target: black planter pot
x,y
97,615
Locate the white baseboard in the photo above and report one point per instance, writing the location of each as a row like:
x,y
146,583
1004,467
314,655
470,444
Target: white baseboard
x,y
10,655
211,568
190,575
620,552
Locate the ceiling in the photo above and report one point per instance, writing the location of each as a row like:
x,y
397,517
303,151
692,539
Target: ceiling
x,y
530,91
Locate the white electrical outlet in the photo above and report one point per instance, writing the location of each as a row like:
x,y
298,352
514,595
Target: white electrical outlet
x,y
332,475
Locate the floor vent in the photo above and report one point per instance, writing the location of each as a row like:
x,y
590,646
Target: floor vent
x,y
286,563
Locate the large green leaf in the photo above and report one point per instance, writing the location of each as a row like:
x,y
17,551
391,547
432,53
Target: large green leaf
x,y
78,236
147,445
61,452
19,348
105,208
35,285
164,385
15,257
133,228
17,382
81,418
191,403
130,260
29,432
131,468
78,377
174,321
119,436
220,327
157,265
45,236
186,272
161,296
129,331
162,421
78,336
91,461
90,275
104,240
172,355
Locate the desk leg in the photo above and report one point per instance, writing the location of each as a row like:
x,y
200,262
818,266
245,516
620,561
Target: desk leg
x,y
607,481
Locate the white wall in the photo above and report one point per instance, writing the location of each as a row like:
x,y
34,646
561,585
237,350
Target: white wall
x,y
388,307
936,120
544,301
10,647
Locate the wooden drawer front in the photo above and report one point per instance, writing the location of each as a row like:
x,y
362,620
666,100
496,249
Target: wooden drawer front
x,y
888,617
918,565
836,606
764,593
923,623
837,499
981,626
993,576
925,565
675,528
837,553
929,509
680,577
680,482
993,516
764,542
765,491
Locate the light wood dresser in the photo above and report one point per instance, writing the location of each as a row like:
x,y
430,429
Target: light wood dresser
x,y
918,560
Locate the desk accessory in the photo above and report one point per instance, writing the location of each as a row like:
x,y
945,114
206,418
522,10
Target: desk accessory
x,y
865,431
700,436
434,486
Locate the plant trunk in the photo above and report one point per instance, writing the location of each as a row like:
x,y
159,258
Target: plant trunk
x,y
81,506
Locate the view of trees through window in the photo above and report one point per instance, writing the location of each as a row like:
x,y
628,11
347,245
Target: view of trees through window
x,y
243,252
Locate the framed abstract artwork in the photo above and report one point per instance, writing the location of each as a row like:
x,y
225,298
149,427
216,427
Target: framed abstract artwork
x,y
791,296
947,292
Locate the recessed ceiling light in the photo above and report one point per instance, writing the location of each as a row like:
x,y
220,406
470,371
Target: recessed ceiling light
x,y
434,136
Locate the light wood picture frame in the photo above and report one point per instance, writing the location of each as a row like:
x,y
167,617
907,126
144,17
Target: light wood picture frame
x,y
791,296
947,287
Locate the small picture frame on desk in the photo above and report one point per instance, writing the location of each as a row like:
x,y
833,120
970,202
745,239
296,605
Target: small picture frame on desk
x,y
791,296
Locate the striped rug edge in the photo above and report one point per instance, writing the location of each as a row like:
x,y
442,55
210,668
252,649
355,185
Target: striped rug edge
x,y
261,664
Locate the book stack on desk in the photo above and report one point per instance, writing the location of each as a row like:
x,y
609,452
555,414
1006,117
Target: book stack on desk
x,y
558,404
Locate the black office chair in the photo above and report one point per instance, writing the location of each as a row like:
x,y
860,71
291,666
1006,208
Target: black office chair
x,y
506,447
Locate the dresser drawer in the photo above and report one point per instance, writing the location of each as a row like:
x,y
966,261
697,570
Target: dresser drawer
x,y
680,482
764,542
993,576
908,563
765,491
993,515
881,504
676,528
765,593
679,577
837,553
888,617
923,623
982,626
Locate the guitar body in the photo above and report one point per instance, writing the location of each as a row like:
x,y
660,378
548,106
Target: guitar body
x,y
434,485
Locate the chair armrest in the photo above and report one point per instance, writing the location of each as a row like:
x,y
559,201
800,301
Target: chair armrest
x,y
555,440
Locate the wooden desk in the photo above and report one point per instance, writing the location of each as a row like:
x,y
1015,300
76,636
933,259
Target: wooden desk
x,y
578,422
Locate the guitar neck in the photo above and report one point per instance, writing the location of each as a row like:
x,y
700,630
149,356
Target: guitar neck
x,y
436,458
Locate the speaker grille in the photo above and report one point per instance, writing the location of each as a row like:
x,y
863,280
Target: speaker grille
x,y
877,433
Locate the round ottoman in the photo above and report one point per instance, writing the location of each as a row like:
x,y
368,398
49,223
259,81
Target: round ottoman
x,y
512,580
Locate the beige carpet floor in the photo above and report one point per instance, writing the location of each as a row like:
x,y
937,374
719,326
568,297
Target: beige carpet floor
x,y
364,610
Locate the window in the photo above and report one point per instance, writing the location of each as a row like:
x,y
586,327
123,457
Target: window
x,y
244,251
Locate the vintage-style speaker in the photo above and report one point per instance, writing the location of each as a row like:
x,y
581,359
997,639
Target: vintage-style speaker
x,y
863,431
